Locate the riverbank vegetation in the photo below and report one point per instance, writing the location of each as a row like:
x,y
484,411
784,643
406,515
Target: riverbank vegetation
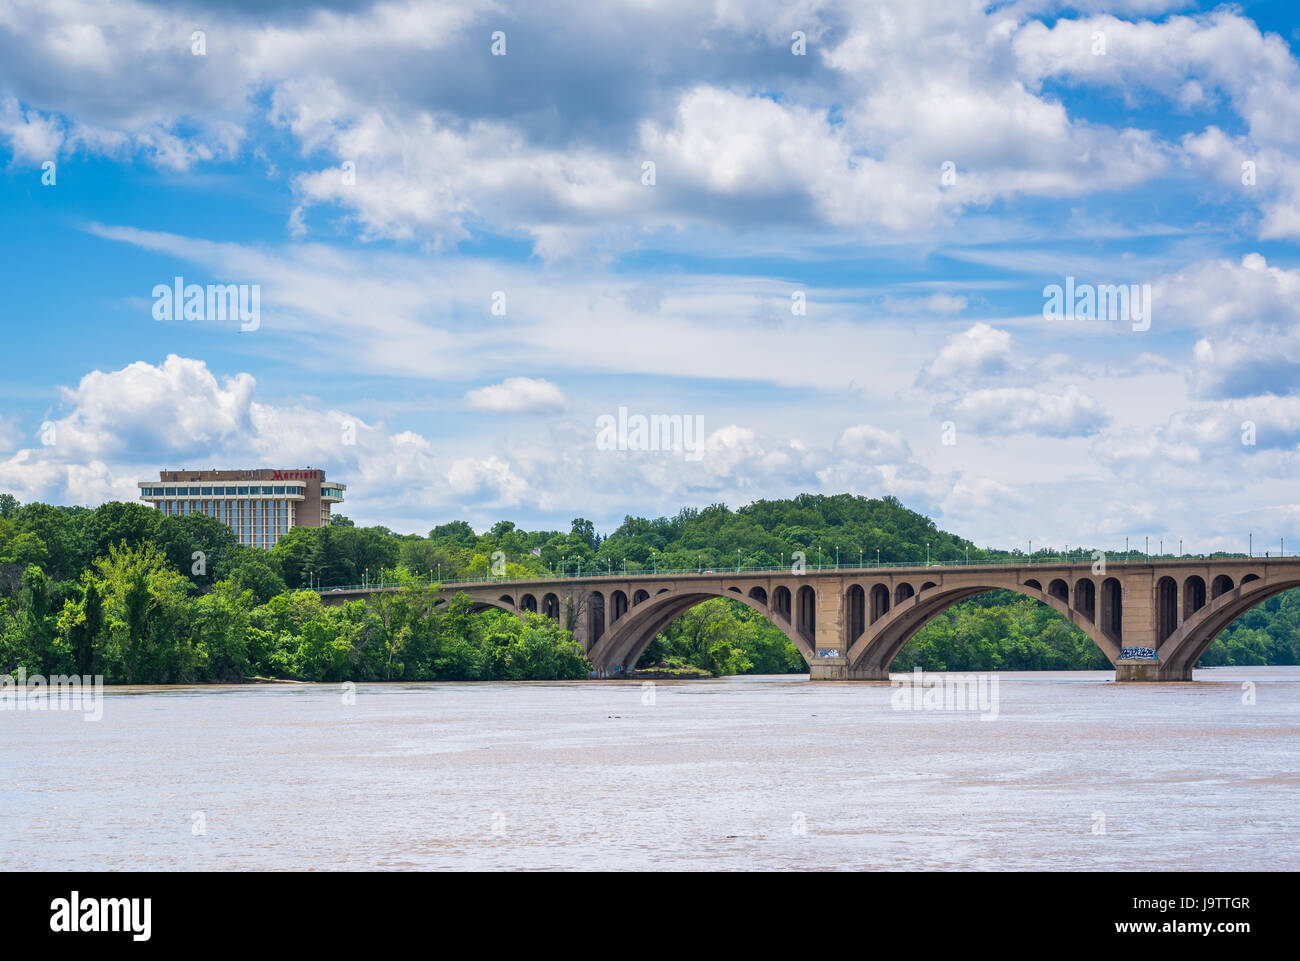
x,y
122,591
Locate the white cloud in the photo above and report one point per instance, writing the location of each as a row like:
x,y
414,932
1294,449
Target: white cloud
x,y
863,441
449,141
1248,314
516,395
33,138
980,350
1006,410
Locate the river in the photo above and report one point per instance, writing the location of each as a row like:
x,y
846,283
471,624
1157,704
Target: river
x,y
1075,772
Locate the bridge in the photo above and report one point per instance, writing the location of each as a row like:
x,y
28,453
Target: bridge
x,y
1153,619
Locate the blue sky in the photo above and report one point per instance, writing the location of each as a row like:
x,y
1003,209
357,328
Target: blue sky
x,y
381,177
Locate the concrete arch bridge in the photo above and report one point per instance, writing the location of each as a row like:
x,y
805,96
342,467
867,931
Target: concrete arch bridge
x,y
1153,620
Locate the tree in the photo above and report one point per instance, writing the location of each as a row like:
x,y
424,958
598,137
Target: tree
x,y
81,622
291,556
256,576
26,549
118,522
331,566
145,609
584,532
198,547
64,537
221,623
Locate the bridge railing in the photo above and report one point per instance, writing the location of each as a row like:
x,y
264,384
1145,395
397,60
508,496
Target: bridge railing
x,y
388,584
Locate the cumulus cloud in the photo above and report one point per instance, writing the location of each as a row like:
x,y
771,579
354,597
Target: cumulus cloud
x,y
1248,315
448,140
516,395
33,138
980,350
1194,63
1008,410
863,441
122,426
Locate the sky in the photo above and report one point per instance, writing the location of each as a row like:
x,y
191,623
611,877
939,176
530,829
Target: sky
x,y
826,232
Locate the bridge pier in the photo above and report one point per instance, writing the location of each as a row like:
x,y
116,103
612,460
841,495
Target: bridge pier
x,y
1147,671
826,669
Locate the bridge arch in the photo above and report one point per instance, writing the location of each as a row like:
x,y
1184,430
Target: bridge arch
x,y
1180,651
855,601
879,602
781,602
880,644
625,641
806,613
595,614
1166,608
1085,598
618,606
479,604
551,606
1112,608
1194,595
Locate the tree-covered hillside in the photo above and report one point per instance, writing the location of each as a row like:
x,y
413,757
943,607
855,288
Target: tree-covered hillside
x,y
121,590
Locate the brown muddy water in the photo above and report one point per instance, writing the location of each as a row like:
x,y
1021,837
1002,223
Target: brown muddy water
x,y
1075,772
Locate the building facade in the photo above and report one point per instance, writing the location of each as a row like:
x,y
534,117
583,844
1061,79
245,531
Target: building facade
x,y
259,505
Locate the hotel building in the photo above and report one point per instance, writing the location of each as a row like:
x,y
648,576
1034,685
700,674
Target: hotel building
x,y
258,505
